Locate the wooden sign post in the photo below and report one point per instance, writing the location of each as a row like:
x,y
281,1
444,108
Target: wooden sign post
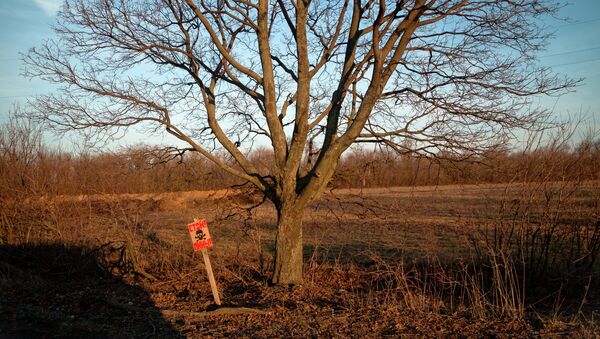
x,y
202,241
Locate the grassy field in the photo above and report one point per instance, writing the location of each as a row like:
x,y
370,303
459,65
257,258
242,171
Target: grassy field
x,y
474,260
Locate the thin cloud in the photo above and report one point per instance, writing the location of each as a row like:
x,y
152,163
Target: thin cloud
x,y
50,7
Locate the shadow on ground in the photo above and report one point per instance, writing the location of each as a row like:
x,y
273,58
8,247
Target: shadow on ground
x,y
61,292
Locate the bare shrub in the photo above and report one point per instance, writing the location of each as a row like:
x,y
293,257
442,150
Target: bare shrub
x,y
544,241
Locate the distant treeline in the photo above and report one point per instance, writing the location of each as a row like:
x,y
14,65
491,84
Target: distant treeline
x,y
553,162
28,167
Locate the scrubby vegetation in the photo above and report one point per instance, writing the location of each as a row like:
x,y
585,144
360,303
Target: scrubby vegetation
x,y
504,245
29,167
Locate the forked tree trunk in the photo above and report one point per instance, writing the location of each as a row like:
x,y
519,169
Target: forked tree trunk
x,y
288,247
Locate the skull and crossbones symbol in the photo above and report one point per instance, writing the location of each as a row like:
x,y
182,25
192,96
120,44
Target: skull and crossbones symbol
x,y
200,235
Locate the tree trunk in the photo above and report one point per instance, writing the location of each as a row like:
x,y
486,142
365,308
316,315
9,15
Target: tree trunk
x,y
288,246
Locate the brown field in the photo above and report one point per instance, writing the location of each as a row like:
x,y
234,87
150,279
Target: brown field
x,y
432,260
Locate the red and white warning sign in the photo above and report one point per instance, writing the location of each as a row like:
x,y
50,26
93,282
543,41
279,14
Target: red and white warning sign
x,y
201,240
200,235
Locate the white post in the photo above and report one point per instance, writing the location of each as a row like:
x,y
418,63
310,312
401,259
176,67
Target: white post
x,y
211,277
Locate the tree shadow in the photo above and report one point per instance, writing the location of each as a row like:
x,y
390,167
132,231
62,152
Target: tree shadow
x,y
61,291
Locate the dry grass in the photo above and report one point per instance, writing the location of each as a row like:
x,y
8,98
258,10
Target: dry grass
x,y
467,259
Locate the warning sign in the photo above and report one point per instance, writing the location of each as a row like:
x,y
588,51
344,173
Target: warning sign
x,y
200,235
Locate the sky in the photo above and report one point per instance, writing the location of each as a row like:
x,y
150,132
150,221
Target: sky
x,y
575,51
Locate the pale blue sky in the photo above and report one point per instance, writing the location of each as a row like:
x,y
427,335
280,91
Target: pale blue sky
x,y
575,52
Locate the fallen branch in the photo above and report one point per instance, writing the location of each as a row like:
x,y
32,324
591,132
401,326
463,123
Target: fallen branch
x,y
218,311
174,313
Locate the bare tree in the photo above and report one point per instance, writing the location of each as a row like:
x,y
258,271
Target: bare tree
x,y
450,76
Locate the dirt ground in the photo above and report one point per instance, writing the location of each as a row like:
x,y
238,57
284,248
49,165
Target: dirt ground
x,y
123,266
